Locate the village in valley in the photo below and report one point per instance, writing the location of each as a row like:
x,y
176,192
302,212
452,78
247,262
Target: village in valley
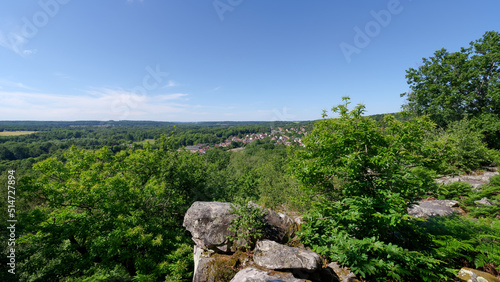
x,y
288,136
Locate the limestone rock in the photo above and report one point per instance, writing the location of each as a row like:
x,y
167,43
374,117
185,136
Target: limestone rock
x,y
472,275
299,220
343,273
425,209
252,274
475,180
272,255
278,227
208,223
215,267
202,270
199,255
484,201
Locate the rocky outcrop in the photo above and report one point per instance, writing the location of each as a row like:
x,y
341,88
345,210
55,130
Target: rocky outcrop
x,y
343,274
208,222
472,275
272,255
216,259
278,227
474,180
252,274
425,209
484,201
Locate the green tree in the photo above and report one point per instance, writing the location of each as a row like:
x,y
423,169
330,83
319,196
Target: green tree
x,y
452,86
458,148
367,175
96,214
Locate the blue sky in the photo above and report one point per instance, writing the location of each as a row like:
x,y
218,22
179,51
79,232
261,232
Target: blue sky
x,y
241,60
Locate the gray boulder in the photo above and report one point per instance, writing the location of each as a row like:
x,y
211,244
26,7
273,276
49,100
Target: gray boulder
x,y
343,274
278,227
252,274
208,223
475,180
425,209
468,274
484,201
202,261
272,255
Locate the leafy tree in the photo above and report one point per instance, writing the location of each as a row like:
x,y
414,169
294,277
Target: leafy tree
x,y
98,214
367,176
452,86
460,147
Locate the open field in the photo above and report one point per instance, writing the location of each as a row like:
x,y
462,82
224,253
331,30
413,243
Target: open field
x,y
15,133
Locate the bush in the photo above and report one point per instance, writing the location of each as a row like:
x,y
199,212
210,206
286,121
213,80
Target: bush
x,y
248,224
490,192
371,257
459,148
365,223
467,242
454,190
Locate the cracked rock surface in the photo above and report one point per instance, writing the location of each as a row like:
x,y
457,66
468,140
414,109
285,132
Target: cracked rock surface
x,y
272,255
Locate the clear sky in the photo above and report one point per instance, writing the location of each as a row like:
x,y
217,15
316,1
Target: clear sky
x,y
241,60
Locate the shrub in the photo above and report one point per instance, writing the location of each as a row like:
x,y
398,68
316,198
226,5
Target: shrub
x,y
454,190
490,192
468,242
458,148
248,224
365,223
372,257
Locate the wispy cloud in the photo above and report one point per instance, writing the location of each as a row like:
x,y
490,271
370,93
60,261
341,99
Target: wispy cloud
x,y
167,97
28,52
96,104
62,75
13,84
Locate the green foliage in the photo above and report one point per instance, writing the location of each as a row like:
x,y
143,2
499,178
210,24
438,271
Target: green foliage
x,y
492,193
458,148
362,221
248,224
453,86
459,239
454,190
98,211
258,173
371,257
374,164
